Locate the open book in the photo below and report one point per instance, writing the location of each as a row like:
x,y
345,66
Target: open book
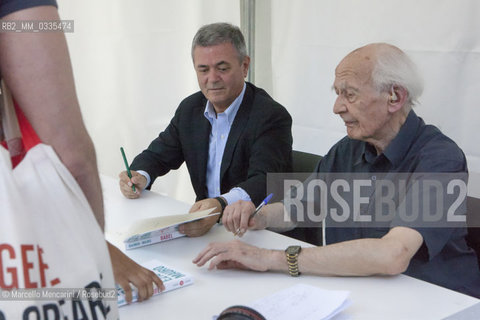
x,y
152,230
172,279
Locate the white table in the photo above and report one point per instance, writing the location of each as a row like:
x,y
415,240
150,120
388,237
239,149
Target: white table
x,y
398,297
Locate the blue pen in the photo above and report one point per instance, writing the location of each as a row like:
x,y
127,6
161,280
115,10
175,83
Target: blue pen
x,y
260,206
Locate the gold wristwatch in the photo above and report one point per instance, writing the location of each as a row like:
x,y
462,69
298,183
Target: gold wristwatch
x,y
292,253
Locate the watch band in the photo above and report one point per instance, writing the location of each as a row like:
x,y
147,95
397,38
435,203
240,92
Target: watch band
x,y
292,253
223,204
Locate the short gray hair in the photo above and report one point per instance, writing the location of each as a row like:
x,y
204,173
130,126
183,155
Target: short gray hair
x,y
394,68
218,33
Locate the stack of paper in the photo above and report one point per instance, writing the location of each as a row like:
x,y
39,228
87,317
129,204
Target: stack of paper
x,y
171,278
302,302
149,231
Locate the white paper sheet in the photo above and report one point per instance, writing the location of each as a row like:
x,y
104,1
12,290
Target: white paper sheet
x,y
302,302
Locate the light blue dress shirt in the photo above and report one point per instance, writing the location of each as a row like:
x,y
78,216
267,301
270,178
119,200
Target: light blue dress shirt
x,y
221,124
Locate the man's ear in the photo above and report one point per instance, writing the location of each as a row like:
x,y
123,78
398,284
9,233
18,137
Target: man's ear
x,y
397,99
245,65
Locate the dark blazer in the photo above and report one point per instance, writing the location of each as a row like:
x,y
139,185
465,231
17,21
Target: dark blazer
x,y
260,141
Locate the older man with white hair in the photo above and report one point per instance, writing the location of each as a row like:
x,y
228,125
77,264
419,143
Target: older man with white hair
x,y
377,85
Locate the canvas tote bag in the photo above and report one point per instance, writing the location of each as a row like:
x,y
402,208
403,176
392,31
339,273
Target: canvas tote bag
x,y
50,242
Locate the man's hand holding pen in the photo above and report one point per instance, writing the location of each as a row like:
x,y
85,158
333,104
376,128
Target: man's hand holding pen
x,y
126,184
238,218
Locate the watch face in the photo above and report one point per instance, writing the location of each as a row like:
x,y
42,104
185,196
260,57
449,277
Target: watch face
x,y
293,250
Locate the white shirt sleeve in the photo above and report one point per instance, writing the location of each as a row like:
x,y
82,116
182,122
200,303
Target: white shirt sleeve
x,y
146,175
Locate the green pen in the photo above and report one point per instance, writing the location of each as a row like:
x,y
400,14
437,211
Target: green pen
x,y
128,168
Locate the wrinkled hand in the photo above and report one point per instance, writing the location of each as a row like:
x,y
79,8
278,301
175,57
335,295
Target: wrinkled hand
x,y
126,183
126,271
233,255
236,218
200,227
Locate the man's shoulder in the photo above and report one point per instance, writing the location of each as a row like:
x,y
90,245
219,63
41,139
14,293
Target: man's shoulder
x,y
431,142
260,94
191,106
196,99
262,101
435,150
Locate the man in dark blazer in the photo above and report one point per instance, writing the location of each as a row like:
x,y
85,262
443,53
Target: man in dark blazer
x,y
230,134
